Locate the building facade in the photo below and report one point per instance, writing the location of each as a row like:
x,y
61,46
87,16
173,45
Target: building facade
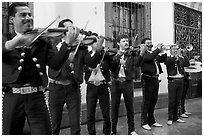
x,y
166,22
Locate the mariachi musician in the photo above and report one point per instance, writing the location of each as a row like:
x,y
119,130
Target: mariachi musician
x,y
151,68
64,84
175,64
124,63
24,77
97,77
182,109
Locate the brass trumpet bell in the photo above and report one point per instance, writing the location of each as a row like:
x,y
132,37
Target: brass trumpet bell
x,y
189,47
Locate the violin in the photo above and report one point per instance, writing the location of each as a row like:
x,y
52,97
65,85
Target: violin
x,y
129,51
55,31
34,34
50,33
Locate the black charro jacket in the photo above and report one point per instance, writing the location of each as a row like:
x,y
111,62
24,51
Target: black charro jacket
x,y
66,72
171,64
92,62
130,66
43,53
148,65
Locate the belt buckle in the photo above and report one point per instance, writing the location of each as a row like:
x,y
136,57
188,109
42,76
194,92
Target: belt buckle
x,y
121,79
97,83
25,90
28,90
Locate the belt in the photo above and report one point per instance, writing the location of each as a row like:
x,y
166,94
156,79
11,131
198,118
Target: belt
x,y
121,79
97,83
171,78
66,82
27,90
150,76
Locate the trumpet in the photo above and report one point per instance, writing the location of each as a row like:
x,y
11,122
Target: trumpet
x,y
189,47
166,47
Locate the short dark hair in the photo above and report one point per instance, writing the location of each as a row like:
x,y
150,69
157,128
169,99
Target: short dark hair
x,y
122,36
144,40
61,23
12,8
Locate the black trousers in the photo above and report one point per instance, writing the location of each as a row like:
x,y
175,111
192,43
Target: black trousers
x,y
182,109
58,96
95,93
150,87
125,88
175,89
17,107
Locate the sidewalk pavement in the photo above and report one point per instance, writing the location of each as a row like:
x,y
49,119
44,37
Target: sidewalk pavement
x,y
192,125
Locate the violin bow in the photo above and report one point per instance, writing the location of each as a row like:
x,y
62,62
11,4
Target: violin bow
x,y
80,41
40,33
75,51
102,57
101,60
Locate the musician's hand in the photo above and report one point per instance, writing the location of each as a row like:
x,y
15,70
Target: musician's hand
x,y
71,35
176,55
71,56
143,48
119,53
160,46
134,41
100,41
18,41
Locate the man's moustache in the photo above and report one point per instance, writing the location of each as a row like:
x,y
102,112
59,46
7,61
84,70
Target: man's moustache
x,y
150,46
27,21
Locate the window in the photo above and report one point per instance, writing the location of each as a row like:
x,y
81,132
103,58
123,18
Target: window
x,y
5,26
188,29
131,18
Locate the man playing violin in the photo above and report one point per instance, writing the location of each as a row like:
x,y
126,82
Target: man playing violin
x,y
24,75
64,86
97,77
122,70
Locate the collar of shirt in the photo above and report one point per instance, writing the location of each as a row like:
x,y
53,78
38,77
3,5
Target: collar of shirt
x,y
59,45
122,50
92,53
18,34
62,40
149,51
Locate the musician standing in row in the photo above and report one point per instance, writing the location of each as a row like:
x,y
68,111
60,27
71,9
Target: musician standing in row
x,y
122,83
24,74
175,70
97,77
182,110
64,86
150,67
